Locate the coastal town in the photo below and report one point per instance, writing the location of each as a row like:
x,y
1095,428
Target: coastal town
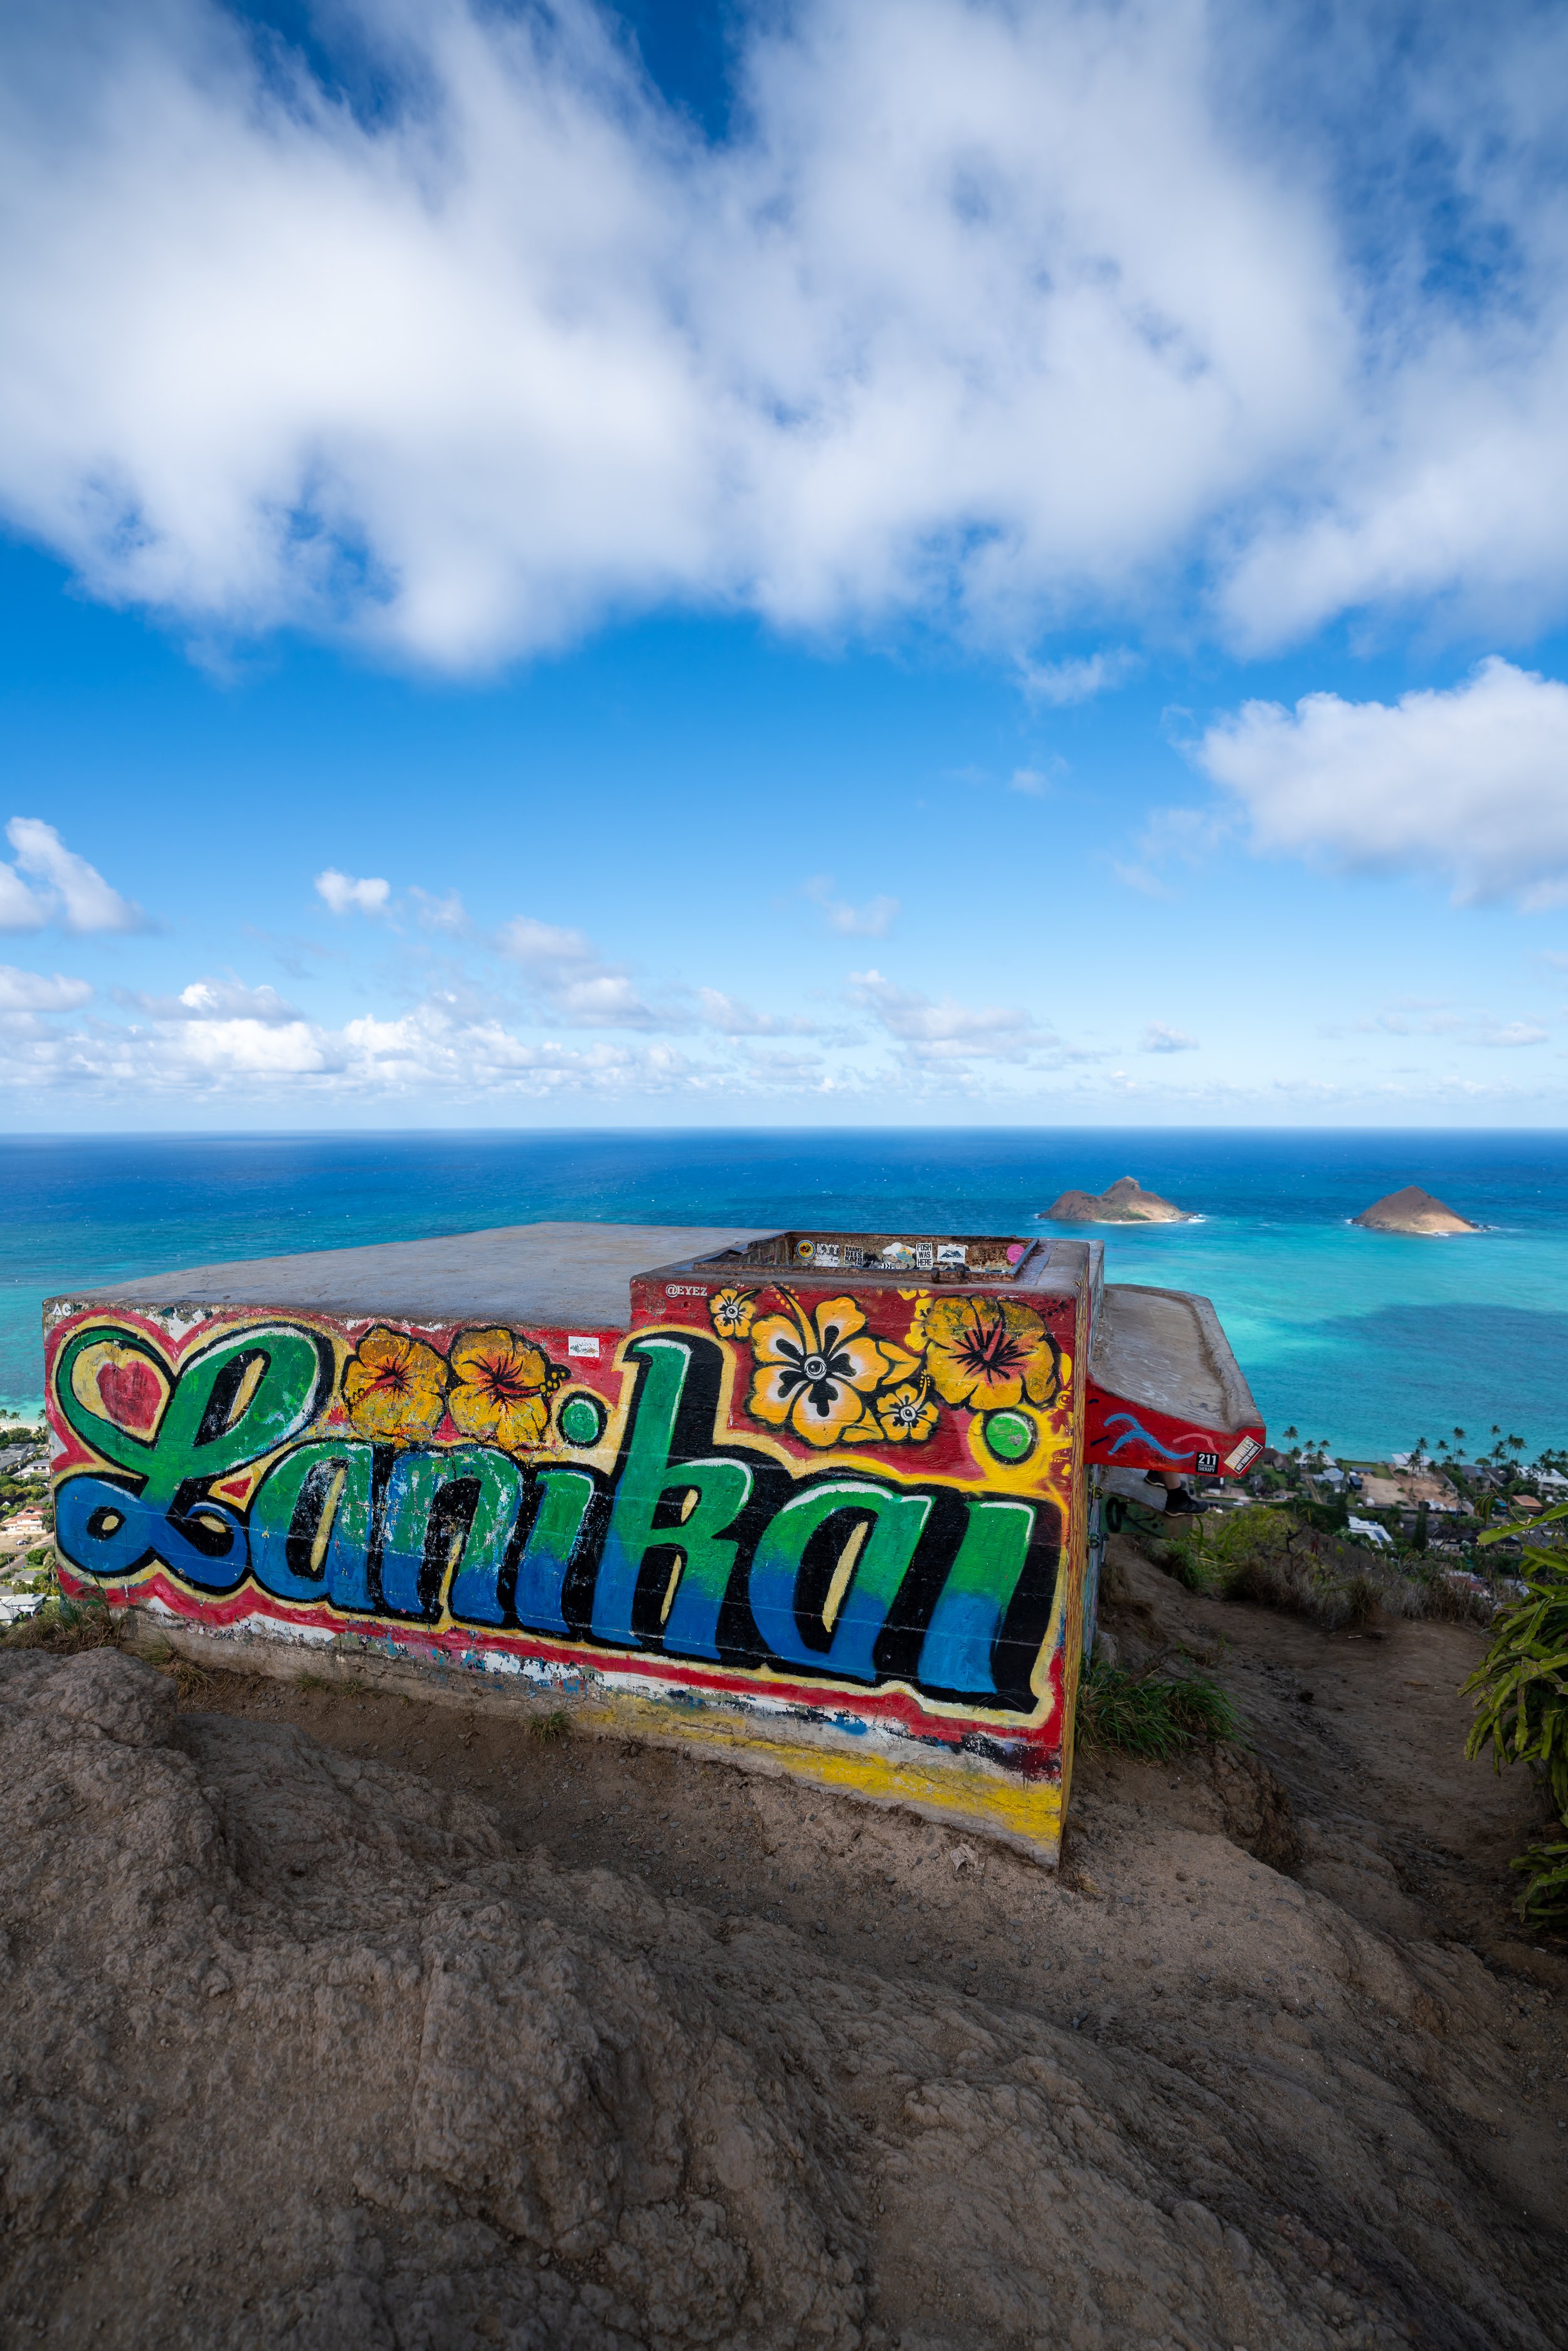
x,y
26,1519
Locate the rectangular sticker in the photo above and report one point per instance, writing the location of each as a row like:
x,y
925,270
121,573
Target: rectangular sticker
x,y
924,1256
827,1253
583,1347
952,1253
1206,1464
898,1255
1248,1451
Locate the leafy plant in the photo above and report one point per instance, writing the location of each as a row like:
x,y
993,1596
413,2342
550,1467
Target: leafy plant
x,y
1544,1901
1152,1715
1520,1689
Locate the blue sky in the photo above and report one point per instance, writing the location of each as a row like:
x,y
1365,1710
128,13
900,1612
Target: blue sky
x,y
920,563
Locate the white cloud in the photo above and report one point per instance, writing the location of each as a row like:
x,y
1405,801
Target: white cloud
x,y
1509,1033
217,1000
928,1030
1064,682
1414,1016
578,984
68,891
1158,1038
246,1049
440,1048
21,909
1469,784
29,991
732,1019
873,919
446,913
546,950
1036,782
1000,314
344,896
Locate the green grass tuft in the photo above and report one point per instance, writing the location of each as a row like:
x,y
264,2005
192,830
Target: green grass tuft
x,y
65,1626
1154,1715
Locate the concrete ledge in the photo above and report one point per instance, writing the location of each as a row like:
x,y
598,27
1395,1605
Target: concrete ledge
x,y
966,1797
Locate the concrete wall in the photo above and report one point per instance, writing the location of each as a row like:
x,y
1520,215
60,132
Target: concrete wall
x,y
796,1529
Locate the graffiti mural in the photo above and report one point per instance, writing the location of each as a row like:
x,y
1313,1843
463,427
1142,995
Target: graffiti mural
x,y
855,1510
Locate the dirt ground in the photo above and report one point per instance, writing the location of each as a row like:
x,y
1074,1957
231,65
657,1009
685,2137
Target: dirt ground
x,y
342,2021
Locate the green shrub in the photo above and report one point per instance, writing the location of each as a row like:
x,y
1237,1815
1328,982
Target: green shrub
x,y
1520,1689
1272,1558
1152,1715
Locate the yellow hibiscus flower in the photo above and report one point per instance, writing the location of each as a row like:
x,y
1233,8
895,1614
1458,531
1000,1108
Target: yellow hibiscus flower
x,y
733,1312
501,1386
907,1412
817,1373
394,1386
987,1352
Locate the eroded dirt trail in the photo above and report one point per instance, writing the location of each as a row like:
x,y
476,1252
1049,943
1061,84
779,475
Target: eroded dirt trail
x,y
344,2021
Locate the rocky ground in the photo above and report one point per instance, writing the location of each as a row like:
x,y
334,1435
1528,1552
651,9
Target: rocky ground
x,y
341,2021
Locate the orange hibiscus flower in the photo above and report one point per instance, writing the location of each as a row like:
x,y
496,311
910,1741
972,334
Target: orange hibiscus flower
x,y
501,1386
816,1372
908,1413
394,1386
987,1352
733,1312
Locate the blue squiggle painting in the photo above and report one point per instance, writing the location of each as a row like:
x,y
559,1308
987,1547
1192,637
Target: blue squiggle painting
x,y
1135,1433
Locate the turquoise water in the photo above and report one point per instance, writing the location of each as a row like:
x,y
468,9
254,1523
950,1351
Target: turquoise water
x,y
1365,1339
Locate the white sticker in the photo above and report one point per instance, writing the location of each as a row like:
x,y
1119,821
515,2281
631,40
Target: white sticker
x,y
898,1254
924,1256
827,1252
1248,1451
952,1253
582,1347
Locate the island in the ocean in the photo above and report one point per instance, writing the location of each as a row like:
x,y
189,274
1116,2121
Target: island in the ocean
x,y
1413,1211
1125,1202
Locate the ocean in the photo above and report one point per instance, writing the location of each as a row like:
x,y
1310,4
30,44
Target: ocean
x,y
1367,1340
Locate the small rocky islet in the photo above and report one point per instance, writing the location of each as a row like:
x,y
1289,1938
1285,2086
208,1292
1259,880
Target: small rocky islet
x,y
1412,1210
1125,1202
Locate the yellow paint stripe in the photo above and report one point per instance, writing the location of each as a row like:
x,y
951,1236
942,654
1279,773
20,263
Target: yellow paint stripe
x,y
1030,1812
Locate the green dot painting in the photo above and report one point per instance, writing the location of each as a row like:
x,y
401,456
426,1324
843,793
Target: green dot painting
x,y
582,1420
1009,1436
